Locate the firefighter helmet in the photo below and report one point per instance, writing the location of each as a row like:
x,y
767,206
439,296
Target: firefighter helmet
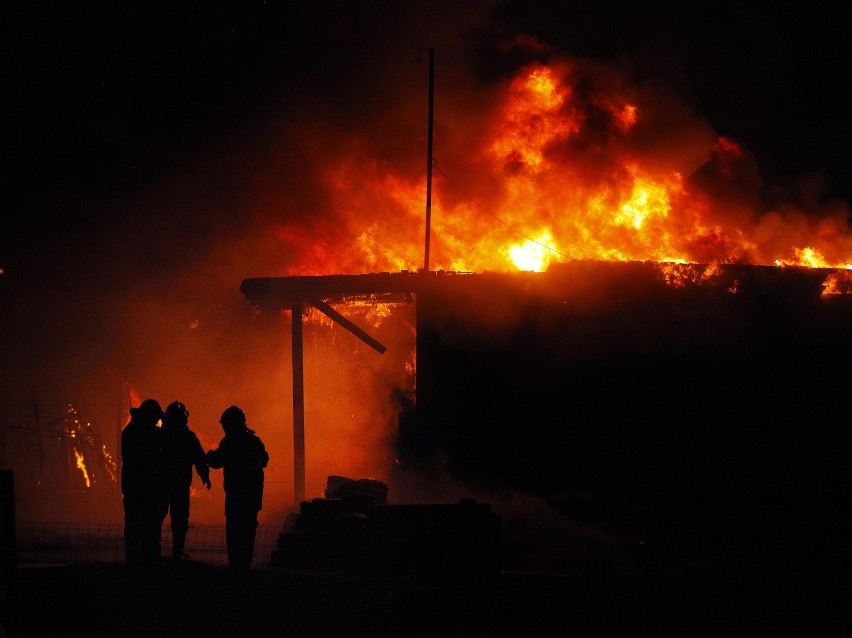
x,y
149,408
233,416
176,412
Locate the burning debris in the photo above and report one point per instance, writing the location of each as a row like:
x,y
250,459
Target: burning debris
x,y
65,452
63,469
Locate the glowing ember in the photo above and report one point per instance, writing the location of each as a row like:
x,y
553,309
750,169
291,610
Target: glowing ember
x,y
81,465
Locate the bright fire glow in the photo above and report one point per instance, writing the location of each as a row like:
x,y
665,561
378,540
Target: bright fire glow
x,y
568,161
533,254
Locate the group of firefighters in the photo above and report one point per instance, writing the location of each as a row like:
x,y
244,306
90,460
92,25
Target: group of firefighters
x,y
158,454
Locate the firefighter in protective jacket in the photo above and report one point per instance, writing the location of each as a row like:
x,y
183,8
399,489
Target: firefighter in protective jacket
x,y
181,452
242,456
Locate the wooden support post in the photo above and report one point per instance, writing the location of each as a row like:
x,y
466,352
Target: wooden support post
x,y
298,408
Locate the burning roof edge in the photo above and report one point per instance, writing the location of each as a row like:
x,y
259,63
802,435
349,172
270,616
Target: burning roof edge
x,y
563,280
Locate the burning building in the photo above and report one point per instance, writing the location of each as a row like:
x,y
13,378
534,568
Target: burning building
x,y
614,300
651,339
685,397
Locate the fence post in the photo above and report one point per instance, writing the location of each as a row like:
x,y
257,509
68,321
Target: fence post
x,y
8,549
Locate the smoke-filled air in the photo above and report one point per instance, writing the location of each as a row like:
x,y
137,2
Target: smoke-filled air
x,y
539,156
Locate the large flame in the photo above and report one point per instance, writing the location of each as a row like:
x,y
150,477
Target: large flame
x,y
564,159
570,162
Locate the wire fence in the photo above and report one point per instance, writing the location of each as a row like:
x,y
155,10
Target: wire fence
x,y
75,543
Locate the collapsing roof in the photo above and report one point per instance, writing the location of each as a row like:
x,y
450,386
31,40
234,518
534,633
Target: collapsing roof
x,y
569,279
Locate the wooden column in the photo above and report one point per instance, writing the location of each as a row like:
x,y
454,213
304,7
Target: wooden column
x,y
298,408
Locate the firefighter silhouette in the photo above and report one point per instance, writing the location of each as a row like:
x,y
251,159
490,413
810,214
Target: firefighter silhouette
x,y
182,452
142,486
242,456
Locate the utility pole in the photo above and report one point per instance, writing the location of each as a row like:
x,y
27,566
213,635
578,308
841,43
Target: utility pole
x,y
429,154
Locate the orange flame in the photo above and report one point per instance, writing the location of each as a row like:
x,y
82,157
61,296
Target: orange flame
x,y
571,162
133,396
81,465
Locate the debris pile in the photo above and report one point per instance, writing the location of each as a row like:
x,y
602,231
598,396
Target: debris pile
x,y
354,530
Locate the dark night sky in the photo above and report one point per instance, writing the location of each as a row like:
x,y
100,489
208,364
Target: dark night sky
x,y
100,97
133,130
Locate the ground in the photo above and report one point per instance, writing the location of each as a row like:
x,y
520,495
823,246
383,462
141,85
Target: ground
x,y
580,599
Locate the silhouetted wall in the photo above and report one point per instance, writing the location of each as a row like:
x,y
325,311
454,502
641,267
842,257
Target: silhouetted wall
x,y
716,412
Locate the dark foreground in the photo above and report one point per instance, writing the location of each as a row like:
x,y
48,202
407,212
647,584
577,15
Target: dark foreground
x,y
196,599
